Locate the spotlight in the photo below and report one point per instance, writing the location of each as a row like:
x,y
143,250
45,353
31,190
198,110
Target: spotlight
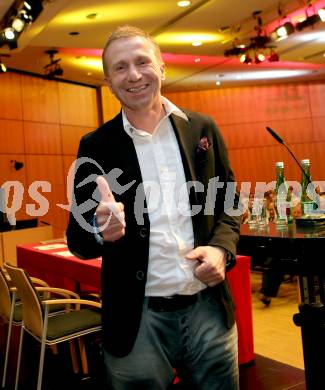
x,y
17,165
321,14
274,57
16,19
53,68
9,33
246,59
260,57
18,24
3,68
309,21
282,32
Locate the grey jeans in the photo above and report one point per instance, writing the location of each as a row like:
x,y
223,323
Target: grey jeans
x,y
194,341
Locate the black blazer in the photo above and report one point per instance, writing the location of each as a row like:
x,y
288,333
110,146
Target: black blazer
x,y
125,262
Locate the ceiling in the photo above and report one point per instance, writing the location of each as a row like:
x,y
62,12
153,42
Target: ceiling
x,y
216,23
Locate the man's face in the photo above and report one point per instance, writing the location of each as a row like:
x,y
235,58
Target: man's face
x,y
134,73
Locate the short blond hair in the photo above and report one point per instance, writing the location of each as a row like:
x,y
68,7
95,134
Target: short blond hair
x,y
128,31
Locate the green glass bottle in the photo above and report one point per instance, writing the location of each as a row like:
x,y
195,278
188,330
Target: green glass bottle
x,y
280,194
307,205
290,213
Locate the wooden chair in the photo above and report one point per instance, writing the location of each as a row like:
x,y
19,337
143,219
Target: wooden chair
x,y
11,309
10,312
51,330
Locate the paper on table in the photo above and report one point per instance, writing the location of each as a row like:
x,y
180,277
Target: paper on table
x,y
63,253
50,247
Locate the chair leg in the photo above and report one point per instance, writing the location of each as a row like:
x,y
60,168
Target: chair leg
x,y
6,357
19,356
41,366
83,356
74,358
12,310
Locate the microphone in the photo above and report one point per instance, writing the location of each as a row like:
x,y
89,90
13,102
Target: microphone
x,y
280,140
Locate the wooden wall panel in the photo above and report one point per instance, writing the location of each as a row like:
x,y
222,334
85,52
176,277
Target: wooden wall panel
x,y
8,173
50,169
68,171
31,132
40,100
317,98
258,164
71,136
78,105
10,96
254,134
11,136
319,127
111,106
42,138
248,104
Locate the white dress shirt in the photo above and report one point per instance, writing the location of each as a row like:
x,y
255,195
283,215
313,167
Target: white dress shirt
x,y
171,230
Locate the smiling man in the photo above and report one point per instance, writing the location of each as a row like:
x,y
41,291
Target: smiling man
x,y
166,303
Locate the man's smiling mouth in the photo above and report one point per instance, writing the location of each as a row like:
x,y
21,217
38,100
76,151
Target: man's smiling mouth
x,y
138,89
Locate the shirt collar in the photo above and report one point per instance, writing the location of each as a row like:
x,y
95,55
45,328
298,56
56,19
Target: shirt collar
x,y
170,108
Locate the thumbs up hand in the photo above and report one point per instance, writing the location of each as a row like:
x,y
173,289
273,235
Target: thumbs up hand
x,y
109,213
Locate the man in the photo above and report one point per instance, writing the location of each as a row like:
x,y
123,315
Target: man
x,y
165,249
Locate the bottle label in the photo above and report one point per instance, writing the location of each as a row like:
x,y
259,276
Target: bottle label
x,y
307,207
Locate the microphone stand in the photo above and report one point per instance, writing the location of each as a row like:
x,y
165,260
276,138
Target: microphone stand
x,y
280,140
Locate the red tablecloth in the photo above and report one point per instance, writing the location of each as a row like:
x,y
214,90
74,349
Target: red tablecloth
x,y
240,285
53,263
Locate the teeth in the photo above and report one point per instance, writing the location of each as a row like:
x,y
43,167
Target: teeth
x,y
137,89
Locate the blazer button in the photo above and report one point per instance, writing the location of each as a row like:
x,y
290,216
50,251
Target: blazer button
x,y
140,275
143,232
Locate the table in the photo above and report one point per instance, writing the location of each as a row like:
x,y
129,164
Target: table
x,y
299,251
57,266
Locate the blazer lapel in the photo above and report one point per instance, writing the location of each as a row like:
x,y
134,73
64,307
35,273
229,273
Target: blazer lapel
x,y
187,141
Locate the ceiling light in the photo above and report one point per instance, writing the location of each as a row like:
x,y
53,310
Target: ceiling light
x,y
9,33
3,67
27,5
53,68
94,16
274,57
18,24
308,22
196,43
282,32
259,58
183,3
321,14
246,59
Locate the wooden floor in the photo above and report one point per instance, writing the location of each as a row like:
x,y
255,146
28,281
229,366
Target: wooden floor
x,y
278,364
275,335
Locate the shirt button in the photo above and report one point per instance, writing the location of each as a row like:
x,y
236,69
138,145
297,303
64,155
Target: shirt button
x,y
143,232
140,275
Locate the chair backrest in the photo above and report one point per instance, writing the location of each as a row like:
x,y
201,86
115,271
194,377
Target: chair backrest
x,y
5,297
32,308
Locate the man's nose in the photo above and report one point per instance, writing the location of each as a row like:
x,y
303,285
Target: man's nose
x,y
134,74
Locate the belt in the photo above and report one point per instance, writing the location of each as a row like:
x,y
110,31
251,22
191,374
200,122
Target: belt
x,y
175,302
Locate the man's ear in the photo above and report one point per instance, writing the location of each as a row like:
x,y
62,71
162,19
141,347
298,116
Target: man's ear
x,y
109,84
162,70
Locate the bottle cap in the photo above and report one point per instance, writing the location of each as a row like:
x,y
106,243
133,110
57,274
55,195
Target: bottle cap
x,y
305,161
279,164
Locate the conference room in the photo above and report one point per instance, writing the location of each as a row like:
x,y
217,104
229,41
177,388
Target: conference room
x,y
258,70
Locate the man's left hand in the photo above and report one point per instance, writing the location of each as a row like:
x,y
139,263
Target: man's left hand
x,y
211,267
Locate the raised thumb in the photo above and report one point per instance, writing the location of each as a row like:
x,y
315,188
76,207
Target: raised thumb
x,y
104,190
